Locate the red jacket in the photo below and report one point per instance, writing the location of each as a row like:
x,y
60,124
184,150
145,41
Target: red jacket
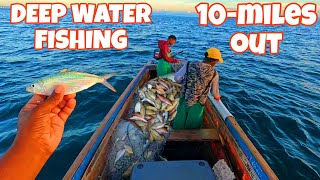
x,y
164,47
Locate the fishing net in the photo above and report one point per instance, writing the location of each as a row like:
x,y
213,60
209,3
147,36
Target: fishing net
x,y
177,66
141,136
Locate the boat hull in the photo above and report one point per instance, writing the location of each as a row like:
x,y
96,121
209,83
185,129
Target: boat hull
x,y
228,141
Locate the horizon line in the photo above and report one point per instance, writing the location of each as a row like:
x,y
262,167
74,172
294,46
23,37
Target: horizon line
x,y
159,10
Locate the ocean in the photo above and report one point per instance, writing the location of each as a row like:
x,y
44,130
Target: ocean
x,y
275,98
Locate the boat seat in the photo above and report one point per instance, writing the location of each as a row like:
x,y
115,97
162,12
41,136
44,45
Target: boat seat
x,y
194,135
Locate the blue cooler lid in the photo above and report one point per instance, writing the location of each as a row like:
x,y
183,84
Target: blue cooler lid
x,y
173,170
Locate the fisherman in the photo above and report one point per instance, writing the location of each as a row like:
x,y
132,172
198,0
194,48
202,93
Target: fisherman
x,y
40,129
165,56
197,79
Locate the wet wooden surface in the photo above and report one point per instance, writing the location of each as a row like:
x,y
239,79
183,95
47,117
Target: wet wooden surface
x,y
194,135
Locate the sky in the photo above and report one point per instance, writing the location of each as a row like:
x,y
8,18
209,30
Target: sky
x,y
161,5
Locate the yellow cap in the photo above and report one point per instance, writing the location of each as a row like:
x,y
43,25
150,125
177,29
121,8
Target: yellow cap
x,y
215,54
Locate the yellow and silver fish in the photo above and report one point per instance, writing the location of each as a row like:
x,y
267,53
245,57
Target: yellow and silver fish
x,y
72,81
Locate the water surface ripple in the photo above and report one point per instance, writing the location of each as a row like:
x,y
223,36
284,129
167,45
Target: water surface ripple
x,y
275,98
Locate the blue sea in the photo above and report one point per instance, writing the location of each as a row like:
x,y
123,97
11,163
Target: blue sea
x,y
275,98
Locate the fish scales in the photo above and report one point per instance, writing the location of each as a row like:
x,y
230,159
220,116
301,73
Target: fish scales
x,y
73,82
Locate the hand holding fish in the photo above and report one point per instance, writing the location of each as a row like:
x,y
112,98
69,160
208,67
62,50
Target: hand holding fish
x,y
40,128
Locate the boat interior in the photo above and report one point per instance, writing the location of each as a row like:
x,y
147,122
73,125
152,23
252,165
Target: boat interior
x,y
211,143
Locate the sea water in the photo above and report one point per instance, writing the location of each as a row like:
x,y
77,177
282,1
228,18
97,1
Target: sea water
x,y
275,98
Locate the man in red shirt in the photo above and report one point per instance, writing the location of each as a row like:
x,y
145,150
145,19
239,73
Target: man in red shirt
x,y
164,66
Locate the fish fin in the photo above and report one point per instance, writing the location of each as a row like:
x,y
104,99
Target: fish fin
x,y
109,86
64,70
108,76
104,82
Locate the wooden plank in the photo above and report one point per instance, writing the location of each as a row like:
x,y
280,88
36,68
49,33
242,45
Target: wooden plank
x,y
98,163
194,135
265,166
91,141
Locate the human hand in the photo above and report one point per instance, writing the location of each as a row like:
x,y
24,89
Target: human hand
x,y
42,119
40,129
177,61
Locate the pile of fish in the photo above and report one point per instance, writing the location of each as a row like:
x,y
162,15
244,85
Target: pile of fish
x,y
156,108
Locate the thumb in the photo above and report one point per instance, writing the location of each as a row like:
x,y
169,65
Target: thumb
x,y
54,99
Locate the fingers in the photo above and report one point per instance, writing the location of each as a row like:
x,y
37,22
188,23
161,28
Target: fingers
x,y
70,96
65,99
54,99
62,104
36,99
67,110
34,102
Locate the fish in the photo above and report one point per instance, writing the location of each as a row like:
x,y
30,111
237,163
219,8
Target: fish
x,y
164,106
171,97
157,125
164,84
160,91
138,115
158,87
143,128
158,103
73,82
142,111
162,131
165,100
148,155
141,94
149,86
128,149
152,121
162,87
151,108
136,118
176,101
148,117
165,116
173,110
169,108
172,116
149,101
144,89
160,118
140,123
156,120
119,155
151,138
169,91
178,85
153,90
174,105
169,81
148,96
149,112
156,135
175,93
152,95
137,107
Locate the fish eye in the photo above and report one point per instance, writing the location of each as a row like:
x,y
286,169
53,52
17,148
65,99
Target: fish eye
x,y
32,85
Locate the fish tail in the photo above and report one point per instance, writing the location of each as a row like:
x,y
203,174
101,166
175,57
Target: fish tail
x,y
108,76
104,81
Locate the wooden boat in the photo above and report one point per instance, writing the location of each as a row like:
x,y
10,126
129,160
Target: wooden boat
x,y
220,138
